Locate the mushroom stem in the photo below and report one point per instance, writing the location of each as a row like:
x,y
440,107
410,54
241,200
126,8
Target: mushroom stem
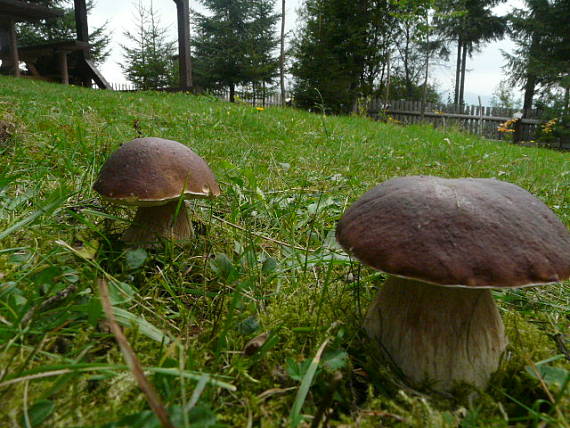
x,y
438,336
159,222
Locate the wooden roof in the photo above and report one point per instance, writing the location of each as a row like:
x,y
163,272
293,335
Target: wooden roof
x,y
24,11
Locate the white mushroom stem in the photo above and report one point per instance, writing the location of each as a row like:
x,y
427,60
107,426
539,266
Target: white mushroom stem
x,y
159,222
438,336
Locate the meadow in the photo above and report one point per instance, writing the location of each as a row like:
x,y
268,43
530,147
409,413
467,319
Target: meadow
x,y
264,264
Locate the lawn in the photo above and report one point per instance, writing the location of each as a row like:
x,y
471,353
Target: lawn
x,y
264,263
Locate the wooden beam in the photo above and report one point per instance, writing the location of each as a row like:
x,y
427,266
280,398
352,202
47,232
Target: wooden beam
x,y
97,76
24,11
185,61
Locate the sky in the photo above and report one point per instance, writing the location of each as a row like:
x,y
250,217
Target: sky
x,y
484,69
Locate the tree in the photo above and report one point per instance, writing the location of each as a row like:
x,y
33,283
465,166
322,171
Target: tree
x,y
341,51
541,60
282,54
235,44
470,23
504,97
410,45
416,43
149,61
55,30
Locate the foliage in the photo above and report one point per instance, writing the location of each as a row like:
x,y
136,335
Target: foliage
x,y
263,260
416,43
469,23
504,97
340,51
149,60
235,44
400,89
541,60
58,29
540,33
556,128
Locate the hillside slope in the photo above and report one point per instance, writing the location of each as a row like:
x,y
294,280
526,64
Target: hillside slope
x,y
263,261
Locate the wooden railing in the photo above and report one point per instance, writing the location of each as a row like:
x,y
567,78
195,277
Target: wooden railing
x,y
476,119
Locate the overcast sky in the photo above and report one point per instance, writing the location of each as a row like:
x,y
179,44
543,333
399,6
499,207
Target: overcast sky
x,y
484,69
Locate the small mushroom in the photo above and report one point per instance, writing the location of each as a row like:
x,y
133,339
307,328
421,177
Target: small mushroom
x,y
446,242
153,174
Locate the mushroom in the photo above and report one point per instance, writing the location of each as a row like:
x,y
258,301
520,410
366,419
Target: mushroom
x,y
153,174
446,243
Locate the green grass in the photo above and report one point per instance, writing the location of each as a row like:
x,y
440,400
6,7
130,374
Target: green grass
x,y
264,260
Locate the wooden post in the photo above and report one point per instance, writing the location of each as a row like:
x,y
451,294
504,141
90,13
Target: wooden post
x,y
63,67
185,61
8,38
81,27
480,116
82,31
14,49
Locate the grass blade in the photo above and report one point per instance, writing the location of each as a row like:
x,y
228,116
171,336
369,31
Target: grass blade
x,y
52,202
295,417
132,360
60,369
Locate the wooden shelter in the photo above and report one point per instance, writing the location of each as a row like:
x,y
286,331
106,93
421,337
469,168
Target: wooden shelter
x,y
67,61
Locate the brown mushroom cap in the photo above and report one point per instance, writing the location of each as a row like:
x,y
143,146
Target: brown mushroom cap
x,y
154,171
462,232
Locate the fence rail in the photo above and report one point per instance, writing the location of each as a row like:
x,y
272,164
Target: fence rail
x,y
476,119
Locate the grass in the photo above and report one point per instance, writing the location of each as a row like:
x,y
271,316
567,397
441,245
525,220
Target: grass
x,y
263,261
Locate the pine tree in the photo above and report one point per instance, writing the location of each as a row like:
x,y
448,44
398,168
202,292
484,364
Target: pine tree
x,y
235,44
149,61
469,23
541,59
341,51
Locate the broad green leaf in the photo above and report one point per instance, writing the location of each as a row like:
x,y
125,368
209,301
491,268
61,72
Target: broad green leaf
x,y
334,360
222,266
551,375
136,258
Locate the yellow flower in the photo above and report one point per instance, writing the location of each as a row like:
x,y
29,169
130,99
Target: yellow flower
x,y
259,108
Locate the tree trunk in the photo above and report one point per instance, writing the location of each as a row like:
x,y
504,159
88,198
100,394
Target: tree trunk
x,y
426,74
462,87
529,89
282,55
388,82
232,93
566,100
457,76
408,79
184,57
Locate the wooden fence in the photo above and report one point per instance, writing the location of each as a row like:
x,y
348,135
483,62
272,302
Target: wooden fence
x,y
259,98
475,119
256,99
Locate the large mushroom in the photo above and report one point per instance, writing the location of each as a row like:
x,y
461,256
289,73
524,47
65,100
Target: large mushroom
x,y
446,242
156,175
